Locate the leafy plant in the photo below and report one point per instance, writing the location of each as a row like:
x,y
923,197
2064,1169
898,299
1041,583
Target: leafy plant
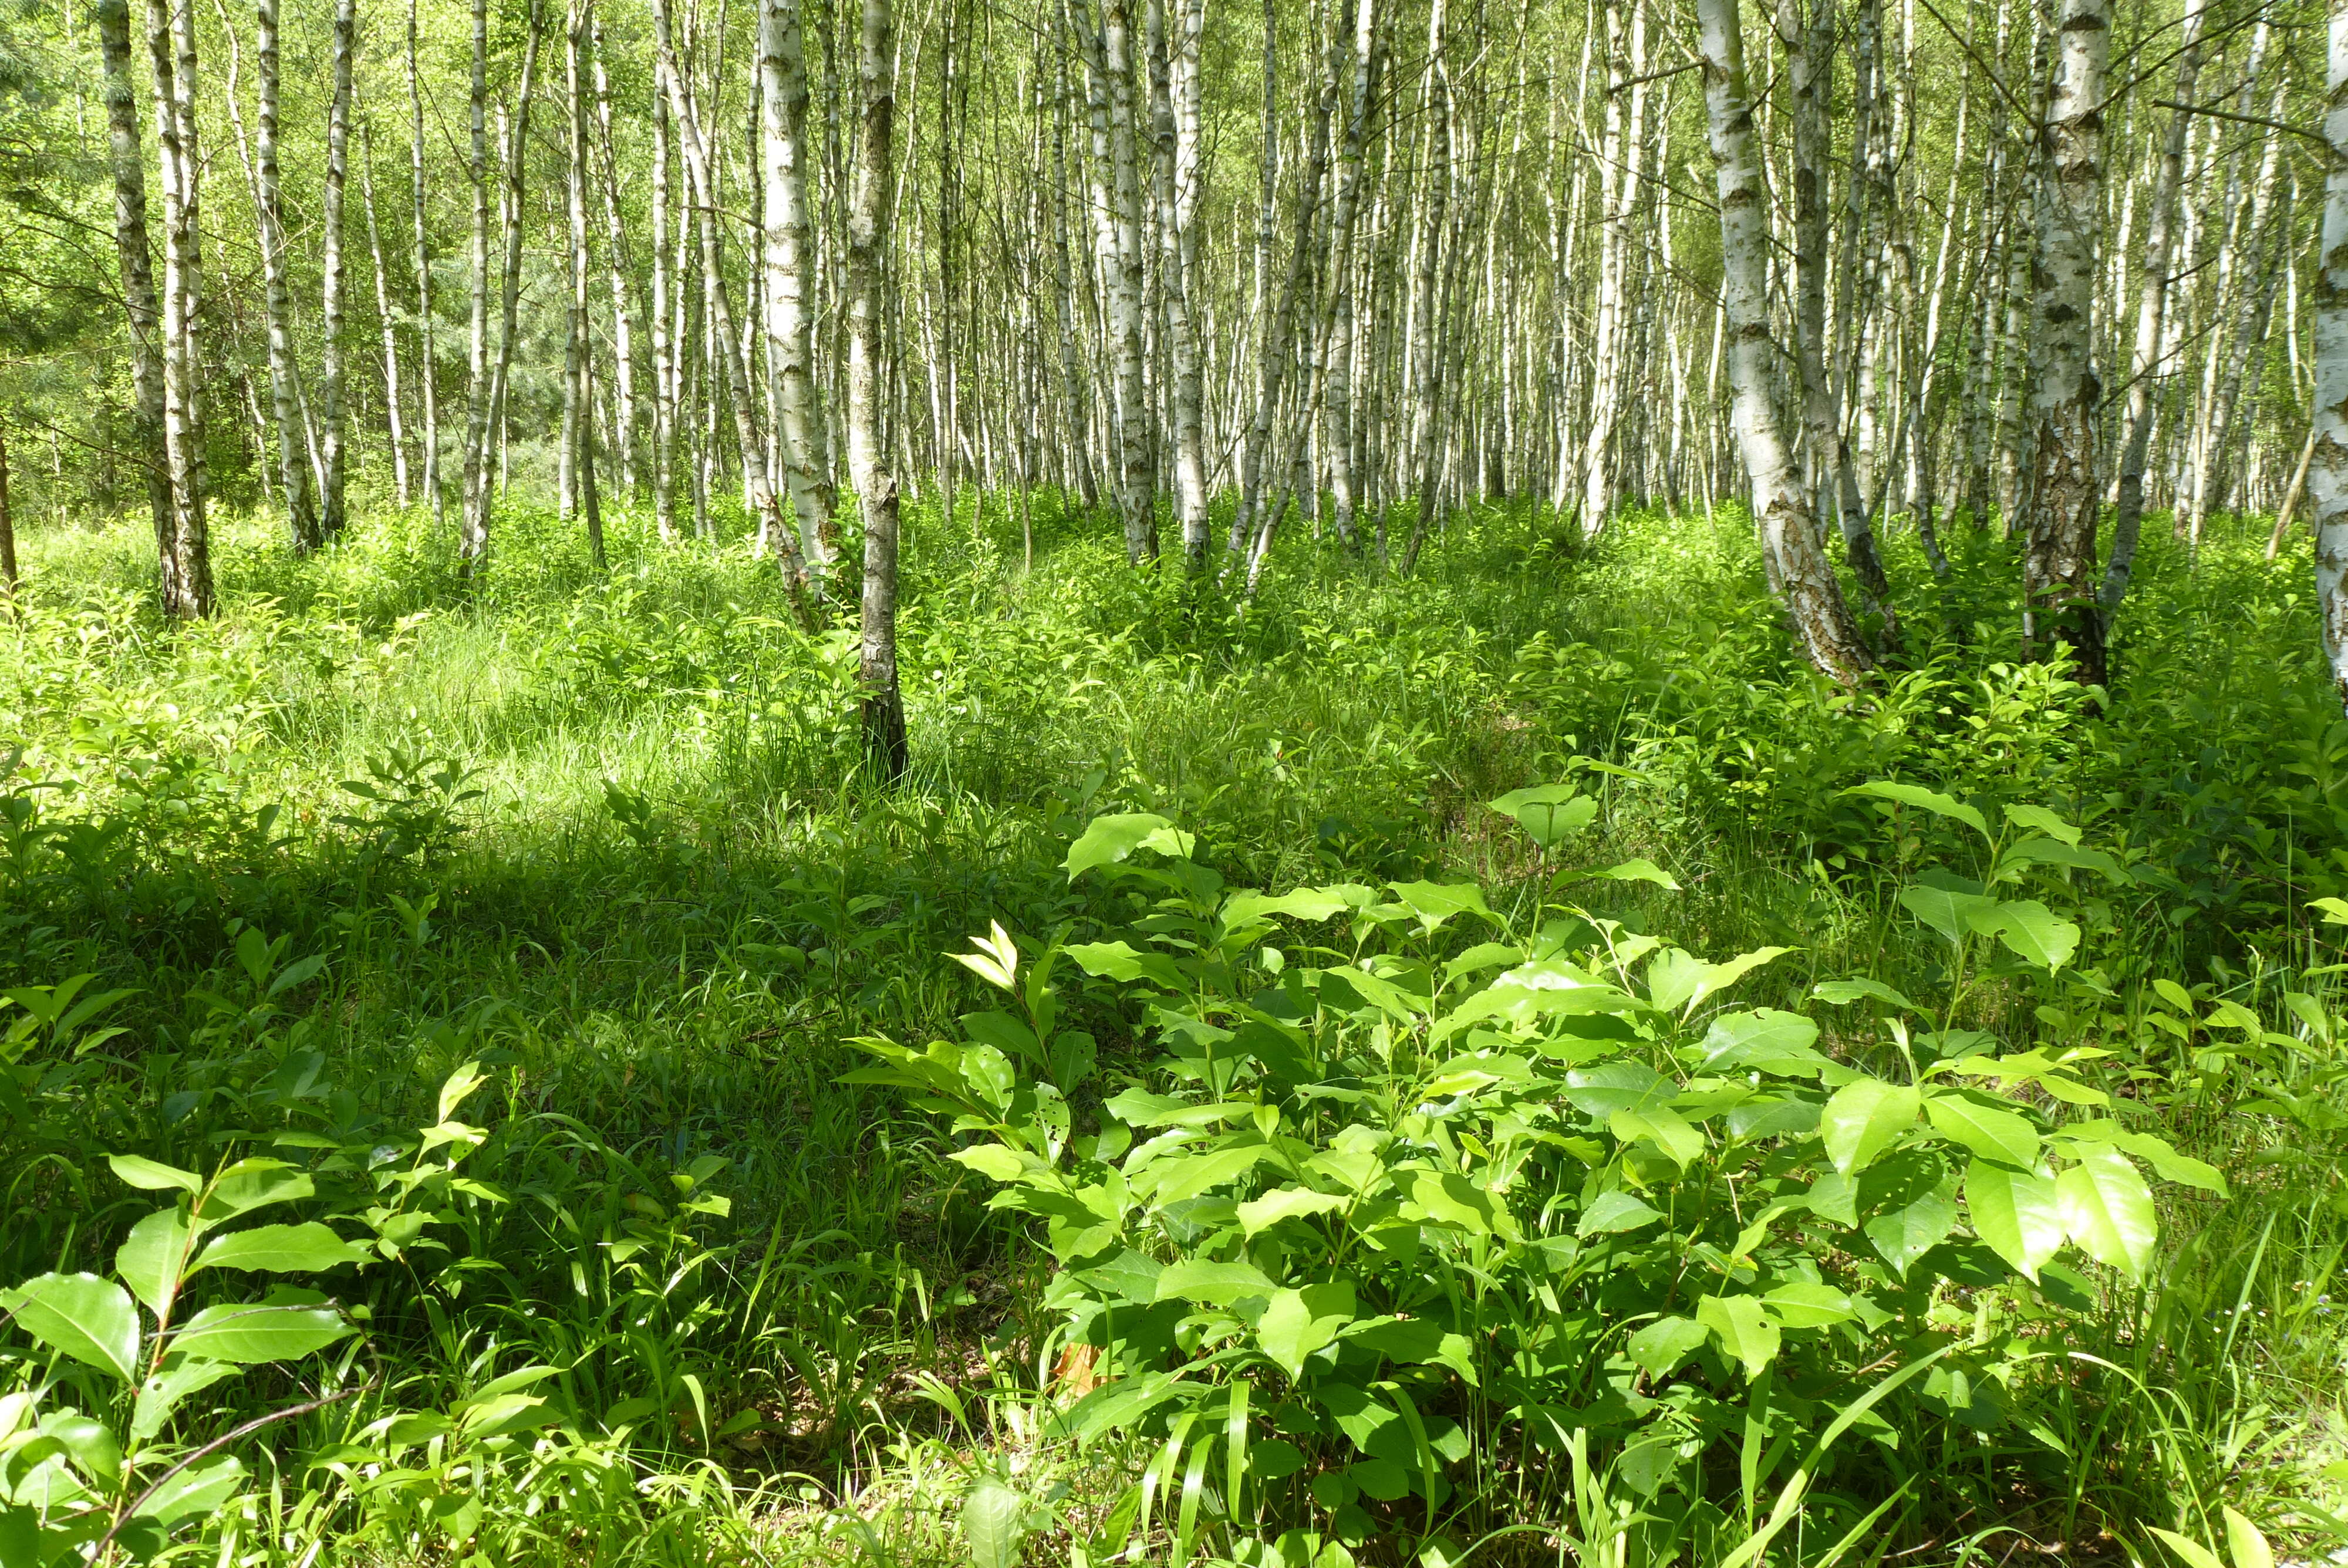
x,y
72,1479
1419,1189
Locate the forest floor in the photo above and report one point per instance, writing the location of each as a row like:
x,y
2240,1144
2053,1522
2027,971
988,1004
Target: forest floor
x,y
676,1291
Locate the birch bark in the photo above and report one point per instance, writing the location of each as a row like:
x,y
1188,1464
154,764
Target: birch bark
x,y
2152,315
285,397
137,263
883,710
331,460
1821,619
2059,580
2327,475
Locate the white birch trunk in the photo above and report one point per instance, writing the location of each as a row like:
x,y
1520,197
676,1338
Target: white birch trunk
x,y
2059,580
331,460
2327,474
1804,577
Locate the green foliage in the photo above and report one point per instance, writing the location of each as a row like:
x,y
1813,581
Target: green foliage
x,y
1396,1199
669,1284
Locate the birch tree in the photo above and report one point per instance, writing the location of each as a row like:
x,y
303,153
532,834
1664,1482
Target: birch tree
x,y
284,392
2327,472
2059,583
186,580
330,460
1800,568
136,261
870,221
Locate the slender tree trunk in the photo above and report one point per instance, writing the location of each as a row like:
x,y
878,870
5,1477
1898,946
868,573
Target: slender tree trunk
x,y
2327,478
667,300
1124,268
1829,636
1279,335
788,264
725,344
870,225
615,260
1186,383
2152,316
1426,305
8,576
330,239
514,125
474,540
1617,194
393,423
132,253
171,64
1336,371
2060,582
427,350
579,382
284,398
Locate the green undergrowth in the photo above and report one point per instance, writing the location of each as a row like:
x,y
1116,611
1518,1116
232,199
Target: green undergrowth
x,y
506,956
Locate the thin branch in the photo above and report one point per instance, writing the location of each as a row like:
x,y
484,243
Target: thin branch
x,y
233,1434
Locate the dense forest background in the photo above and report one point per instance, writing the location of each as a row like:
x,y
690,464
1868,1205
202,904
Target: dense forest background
x,y
1399,783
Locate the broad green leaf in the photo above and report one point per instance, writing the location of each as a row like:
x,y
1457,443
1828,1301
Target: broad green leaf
x,y
993,1517
140,1171
1680,1142
201,1488
1744,1328
160,1394
1123,961
1301,1322
1666,1342
1841,993
2166,1162
2108,1210
2195,1554
91,1319
1109,840
1611,1212
1176,1180
1802,1305
2031,930
1766,1039
1308,904
2245,1543
2054,852
1638,870
1677,980
252,1335
1923,799
1549,814
151,1257
458,1088
1434,902
1612,1086
994,1161
1866,1117
1212,1284
2016,1212
1673,976
1285,1202
250,1184
2040,820
306,1249
1994,1134
1454,1200
1947,911
1903,1235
